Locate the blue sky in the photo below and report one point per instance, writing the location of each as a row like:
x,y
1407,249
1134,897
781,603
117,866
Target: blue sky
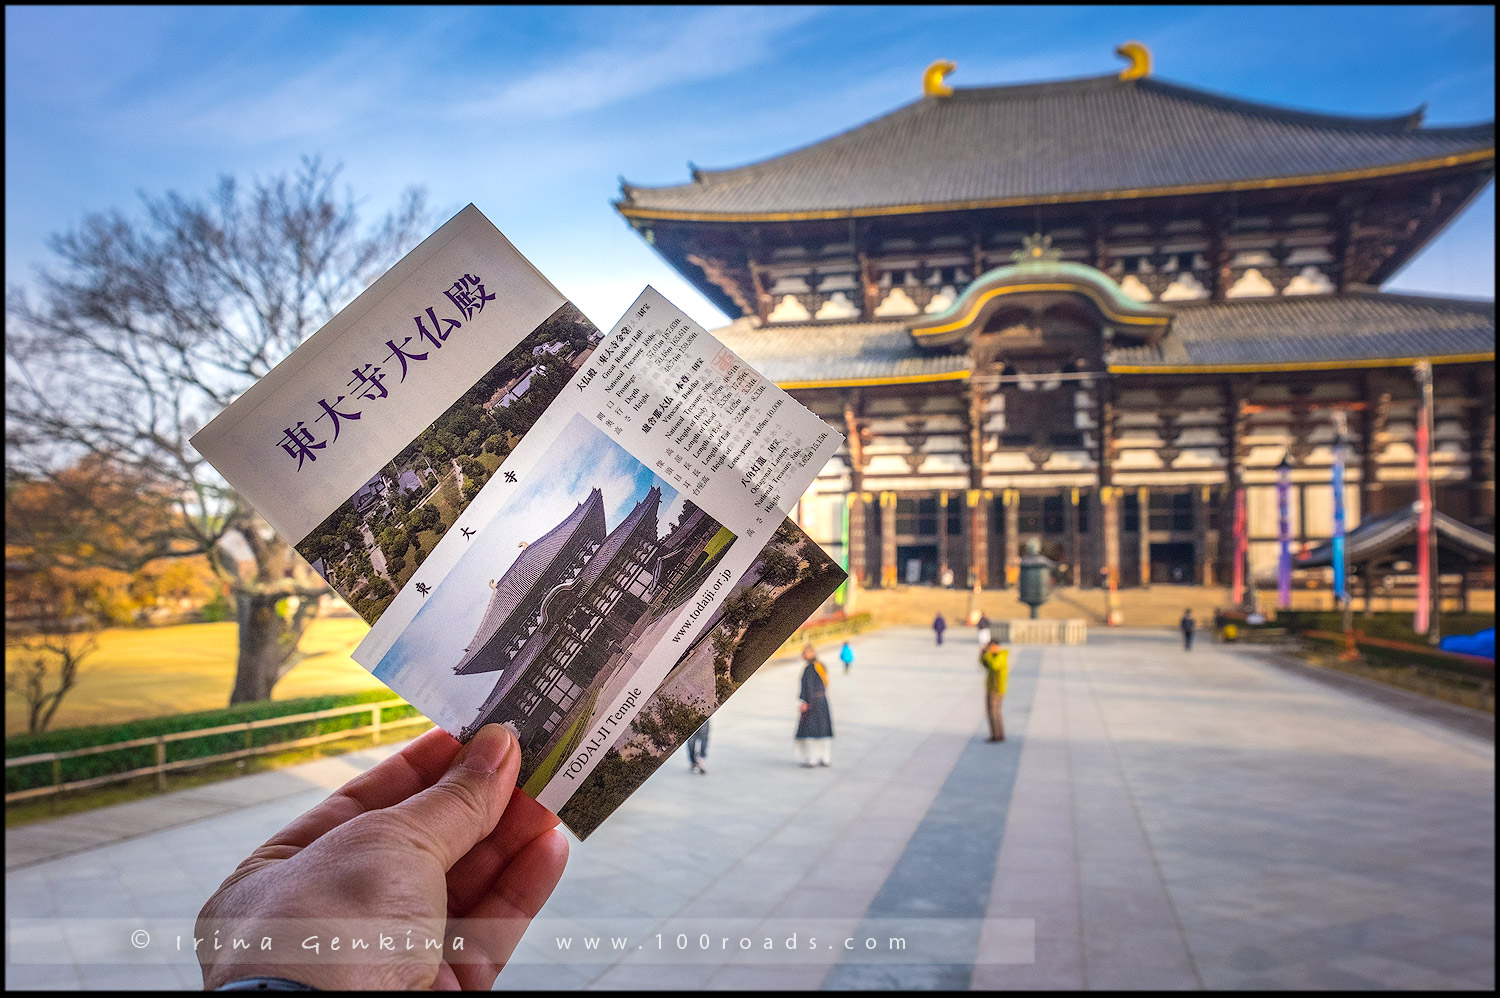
x,y
534,114
443,627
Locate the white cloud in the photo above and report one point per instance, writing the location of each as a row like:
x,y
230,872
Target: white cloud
x,y
682,47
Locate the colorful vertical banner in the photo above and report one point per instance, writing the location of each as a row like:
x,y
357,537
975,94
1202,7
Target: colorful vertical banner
x,y
1284,534
1421,618
1241,546
1340,569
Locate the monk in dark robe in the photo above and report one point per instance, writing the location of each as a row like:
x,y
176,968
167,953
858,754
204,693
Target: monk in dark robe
x,y
815,727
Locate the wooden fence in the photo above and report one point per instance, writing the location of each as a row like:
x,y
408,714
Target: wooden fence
x,y
162,766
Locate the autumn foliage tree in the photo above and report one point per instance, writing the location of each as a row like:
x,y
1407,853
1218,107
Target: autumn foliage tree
x,y
146,327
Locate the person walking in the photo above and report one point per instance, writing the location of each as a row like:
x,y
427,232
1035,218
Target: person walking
x,y
939,625
1188,625
698,748
983,629
846,655
815,726
996,664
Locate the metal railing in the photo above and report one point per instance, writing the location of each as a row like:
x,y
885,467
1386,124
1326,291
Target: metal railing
x,y
162,766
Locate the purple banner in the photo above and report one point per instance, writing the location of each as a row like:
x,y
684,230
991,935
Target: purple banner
x,y
1284,525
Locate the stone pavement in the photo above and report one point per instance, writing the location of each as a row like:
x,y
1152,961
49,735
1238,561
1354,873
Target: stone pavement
x,y
1156,819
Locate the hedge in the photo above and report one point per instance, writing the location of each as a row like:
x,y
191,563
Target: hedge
x,y
1396,626
40,774
1383,651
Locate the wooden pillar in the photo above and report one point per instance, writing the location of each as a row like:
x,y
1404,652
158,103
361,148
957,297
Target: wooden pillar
x,y
1220,274
1143,533
942,535
1301,536
1107,530
979,537
1234,467
1109,515
888,573
978,518
857,567
1481,445
1075,545
869,287
763,303
1346,225
1372,425
1099,240
1203,562
1012,562
858,499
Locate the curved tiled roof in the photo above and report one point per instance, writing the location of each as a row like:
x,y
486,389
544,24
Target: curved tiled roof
x,y
647,507
842,352
1318,329
1384,534
520,580
1351,328
1060,141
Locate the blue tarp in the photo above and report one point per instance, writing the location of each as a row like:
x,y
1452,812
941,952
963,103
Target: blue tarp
x,y
1482,644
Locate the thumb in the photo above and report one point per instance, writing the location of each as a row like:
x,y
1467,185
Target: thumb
x,y
466,803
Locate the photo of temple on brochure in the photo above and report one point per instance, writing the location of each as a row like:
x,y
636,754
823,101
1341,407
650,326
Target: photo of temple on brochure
x,y
563,618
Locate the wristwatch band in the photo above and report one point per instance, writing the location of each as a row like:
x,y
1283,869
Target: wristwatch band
x,y
265,984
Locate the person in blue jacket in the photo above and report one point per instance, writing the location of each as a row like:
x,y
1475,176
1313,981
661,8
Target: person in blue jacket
x,y
846,655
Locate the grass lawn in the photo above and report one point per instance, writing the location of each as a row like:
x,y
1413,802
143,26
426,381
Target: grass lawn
x,y
549,766
149,672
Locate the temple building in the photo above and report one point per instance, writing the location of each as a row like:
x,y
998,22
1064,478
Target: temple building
x,y
1100,312
569,607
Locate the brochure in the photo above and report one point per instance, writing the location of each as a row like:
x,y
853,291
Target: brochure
x,y
582,533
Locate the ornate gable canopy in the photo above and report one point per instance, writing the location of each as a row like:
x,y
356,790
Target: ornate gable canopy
x,y
1036,287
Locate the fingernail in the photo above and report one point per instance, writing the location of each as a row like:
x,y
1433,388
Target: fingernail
x,y
486,749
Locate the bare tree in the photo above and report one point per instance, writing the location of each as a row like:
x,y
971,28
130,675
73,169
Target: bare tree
x,y
149,326
30,676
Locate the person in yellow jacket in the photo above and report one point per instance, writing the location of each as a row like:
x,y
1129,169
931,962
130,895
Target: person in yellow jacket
x,y
996,664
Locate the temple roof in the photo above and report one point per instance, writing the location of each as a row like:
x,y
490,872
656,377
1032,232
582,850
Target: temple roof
x,y
641,517
520,579
1317,329
1071,140
792,354
1354,328
1391,533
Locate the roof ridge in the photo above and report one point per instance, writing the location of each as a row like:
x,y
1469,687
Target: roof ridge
x,y
1467,304
729,174
1482,303
1411,121
699,175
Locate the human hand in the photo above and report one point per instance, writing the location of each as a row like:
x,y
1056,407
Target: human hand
x,y
802,705
438,832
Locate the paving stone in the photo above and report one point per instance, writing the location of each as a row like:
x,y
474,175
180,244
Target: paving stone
x,y
1166,820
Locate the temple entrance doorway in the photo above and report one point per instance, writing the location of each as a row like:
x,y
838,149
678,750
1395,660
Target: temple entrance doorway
x,y
1172,563
917,564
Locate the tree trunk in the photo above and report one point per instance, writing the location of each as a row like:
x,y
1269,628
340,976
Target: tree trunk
x,y
268,640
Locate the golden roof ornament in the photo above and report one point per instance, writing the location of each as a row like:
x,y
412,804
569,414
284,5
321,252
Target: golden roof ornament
x,y
1140,60
1036,247
932,79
